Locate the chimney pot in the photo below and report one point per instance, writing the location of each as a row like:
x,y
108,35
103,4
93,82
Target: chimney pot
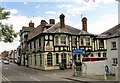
x,y
52,21
31,24
84,24
43,23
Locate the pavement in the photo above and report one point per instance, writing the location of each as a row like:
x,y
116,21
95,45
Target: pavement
x,y
92,78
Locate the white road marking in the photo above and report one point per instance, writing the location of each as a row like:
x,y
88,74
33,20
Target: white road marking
x,y
24,74
35,79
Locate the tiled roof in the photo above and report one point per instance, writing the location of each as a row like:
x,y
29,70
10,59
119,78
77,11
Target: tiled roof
x,y
85,33
27,28
115,31
35,32
56,29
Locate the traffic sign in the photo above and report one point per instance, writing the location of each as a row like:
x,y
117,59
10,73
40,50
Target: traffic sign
x,y
78,51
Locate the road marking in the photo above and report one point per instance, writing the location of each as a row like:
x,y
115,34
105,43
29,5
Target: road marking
x,y
6,79
35,79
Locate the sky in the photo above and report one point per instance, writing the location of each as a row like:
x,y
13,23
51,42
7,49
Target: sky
x,y
101,14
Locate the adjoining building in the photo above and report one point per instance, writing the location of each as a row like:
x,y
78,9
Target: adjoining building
x,y
50,44
113,49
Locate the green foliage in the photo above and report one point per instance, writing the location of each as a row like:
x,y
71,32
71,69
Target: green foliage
x,y
7,34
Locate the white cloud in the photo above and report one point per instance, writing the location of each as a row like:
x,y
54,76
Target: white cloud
x,y
99,26
51,12
18,22
25,3
37,6
64,6
104,23
9,46
12,11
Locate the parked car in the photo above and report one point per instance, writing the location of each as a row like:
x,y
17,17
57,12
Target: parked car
x,y
5,61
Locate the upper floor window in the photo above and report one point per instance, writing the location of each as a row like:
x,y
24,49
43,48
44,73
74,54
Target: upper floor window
x,y
101,43
30,45
74,40
39,42
113,45
34,44
82,41
115,61
63,40
87,41
56,40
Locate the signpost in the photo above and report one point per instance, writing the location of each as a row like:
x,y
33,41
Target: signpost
x,y
78,65
78,51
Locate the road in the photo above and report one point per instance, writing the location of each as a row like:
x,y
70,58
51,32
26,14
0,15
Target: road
x,y
19,73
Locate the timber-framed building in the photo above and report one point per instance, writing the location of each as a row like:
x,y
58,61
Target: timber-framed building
x,y
49,44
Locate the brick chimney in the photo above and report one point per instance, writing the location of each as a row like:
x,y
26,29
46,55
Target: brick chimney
x,y
31,24
62,21
52,21
43,23
84,24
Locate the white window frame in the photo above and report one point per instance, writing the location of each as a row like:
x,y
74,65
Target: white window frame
x,y
63,39
87,41
115,61
113,45
74,40
56,39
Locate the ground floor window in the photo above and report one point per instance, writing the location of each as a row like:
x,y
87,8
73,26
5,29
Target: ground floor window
x,y
75,57
31,59
63,57
104,54
78,56
99,55
49,58
40,59
35,58
57,58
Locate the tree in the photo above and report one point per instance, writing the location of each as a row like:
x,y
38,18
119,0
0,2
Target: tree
x,y
7,34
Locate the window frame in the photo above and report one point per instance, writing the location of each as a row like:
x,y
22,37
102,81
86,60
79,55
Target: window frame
x,y
49,59
57,58
113,45
74,41
87,41
56,40
63,39
114,61
101,43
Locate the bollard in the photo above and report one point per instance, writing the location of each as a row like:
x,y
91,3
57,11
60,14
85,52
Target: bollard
x,y
105,77
116,72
